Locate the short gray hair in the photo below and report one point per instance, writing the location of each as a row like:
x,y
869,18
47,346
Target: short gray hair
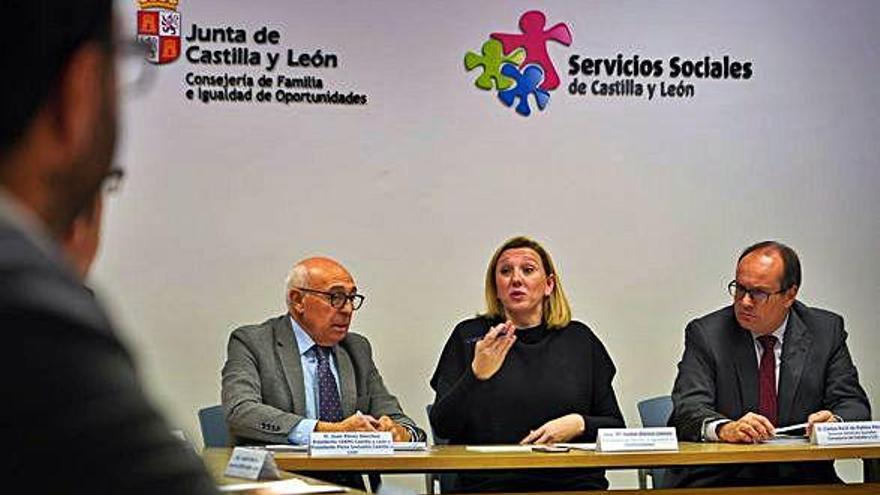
x,y
298,277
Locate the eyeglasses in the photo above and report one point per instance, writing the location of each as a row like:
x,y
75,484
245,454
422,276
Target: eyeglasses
x,y
112,182
738,291
338,299
135,75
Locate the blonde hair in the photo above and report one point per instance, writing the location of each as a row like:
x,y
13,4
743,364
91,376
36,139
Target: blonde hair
x,y
556,312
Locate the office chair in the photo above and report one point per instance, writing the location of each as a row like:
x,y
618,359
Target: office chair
x,y
654,412
444,481
213,424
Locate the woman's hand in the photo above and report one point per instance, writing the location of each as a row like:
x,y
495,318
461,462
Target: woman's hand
x,y
557,430
490,351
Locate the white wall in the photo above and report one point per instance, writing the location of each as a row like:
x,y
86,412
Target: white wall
x,y
644,204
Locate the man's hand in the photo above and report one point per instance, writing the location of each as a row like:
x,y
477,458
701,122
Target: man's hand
x,y
557,430
824,416
490,351
398,432
355,422
751,428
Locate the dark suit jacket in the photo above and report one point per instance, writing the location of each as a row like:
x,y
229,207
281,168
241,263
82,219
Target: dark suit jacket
x,y
74,406
718,378
263,389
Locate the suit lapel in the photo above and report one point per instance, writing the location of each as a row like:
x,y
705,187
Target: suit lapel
x,y
347,386
746,368
288,354
795,345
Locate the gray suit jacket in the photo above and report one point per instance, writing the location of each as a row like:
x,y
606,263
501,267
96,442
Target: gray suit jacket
x,y
68,381
718,378
263,389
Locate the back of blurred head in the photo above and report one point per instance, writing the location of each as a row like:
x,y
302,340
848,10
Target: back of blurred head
x,y
58,118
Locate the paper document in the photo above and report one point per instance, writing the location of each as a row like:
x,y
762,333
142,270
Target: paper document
x,y
398,446
787,439
578,446
494,449
291,486
285,447
410,446
784,429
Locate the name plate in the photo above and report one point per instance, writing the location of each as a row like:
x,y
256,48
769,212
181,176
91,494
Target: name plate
x,y
636,439
351,443
855,432
252,464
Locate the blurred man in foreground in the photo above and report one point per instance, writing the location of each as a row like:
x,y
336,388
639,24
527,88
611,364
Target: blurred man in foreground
x,y
70,385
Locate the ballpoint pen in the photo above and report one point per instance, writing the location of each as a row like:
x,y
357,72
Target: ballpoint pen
x,y
475,339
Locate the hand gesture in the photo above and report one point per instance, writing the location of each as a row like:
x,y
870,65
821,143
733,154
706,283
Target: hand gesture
x,y
355,422
557,430
398,432
751,428
490,351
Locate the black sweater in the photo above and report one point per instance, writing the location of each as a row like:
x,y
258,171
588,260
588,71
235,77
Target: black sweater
x,y
546,374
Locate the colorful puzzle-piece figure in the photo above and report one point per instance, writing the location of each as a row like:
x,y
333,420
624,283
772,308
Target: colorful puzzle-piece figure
x,y
492,59
534,39
527,83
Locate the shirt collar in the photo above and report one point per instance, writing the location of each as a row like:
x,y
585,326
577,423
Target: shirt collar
x,y
303,341
779,333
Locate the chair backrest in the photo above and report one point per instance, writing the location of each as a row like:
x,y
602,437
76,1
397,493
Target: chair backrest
x,y
655,411
213,423
434,438
447,481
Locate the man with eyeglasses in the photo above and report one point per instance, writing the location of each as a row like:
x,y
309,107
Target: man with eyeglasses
x,y
765,362
69,384
304,371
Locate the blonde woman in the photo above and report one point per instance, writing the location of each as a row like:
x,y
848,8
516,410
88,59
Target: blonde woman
x,y
524,372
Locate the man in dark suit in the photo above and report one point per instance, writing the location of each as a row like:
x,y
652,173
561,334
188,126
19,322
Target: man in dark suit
x,y
70,385
304,371
765,362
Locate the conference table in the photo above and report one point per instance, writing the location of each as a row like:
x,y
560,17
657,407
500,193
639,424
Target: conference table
x,y
441,458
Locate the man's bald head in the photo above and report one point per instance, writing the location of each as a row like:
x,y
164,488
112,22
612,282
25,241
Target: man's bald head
x,y
301,273
310,285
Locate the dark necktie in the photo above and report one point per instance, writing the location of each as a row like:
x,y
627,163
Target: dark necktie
x,y
329,407
767,379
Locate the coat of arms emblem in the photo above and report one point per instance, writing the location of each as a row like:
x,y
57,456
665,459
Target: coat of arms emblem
x,y
158,27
